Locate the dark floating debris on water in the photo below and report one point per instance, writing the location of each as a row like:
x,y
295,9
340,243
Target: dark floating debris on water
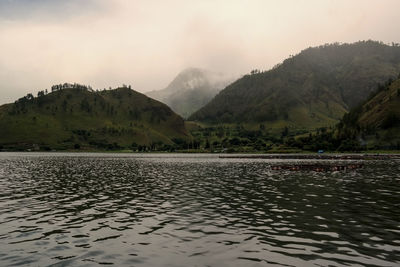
x,y
315,156
317,167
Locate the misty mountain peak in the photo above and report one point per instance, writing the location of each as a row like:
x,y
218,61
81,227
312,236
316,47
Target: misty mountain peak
x,y
189,79
191,89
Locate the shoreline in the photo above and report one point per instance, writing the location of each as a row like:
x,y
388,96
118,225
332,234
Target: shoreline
x,y
341,156
381,155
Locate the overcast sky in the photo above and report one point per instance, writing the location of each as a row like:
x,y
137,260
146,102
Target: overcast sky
x,y
146,43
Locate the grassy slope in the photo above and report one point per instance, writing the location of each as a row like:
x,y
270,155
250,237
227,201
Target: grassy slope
x,y
382,112
383,104
312,89
73,116
376,121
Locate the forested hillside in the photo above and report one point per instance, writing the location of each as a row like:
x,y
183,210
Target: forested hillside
x,y
311,89
376,122
76,117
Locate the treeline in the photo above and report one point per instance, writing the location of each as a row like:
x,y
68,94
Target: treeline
x,y
238,139
87,104
54,88
59,87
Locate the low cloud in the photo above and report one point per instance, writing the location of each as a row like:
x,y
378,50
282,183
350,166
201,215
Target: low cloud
x,y
47,10
146,43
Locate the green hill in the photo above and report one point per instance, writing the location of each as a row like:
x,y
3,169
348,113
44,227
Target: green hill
x,y
376,122
78,117
312,89
190,90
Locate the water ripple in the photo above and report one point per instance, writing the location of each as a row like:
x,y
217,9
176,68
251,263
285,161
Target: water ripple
x,y
194,210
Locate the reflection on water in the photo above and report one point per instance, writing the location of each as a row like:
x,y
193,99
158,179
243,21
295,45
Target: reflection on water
x,y
194,210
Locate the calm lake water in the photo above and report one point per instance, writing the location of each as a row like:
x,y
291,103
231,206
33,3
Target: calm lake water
x,y
194,210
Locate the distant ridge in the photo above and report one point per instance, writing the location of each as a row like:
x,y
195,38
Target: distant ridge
x,y
311,89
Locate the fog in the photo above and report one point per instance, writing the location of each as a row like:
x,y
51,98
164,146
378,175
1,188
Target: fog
x,y
106,43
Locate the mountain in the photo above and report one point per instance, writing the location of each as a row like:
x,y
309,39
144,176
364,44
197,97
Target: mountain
x,y
376,122
190,90
311,89
74,116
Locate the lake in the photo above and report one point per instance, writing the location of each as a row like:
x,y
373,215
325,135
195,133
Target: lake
x,y
86,209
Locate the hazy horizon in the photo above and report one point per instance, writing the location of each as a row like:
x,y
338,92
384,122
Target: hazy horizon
x,y
107,43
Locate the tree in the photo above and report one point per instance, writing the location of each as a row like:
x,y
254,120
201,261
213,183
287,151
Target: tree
x,y
207,144
285,131
85,105
255,71
234,141
29,96
390,120
64,105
